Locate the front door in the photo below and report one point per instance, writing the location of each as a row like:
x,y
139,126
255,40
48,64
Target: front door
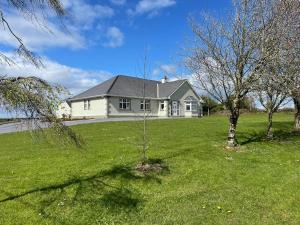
x,y
175,108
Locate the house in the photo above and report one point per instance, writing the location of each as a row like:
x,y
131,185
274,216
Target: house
x,y
64,110
123,96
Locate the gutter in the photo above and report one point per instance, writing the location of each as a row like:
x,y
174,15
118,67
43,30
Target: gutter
x,y
120,96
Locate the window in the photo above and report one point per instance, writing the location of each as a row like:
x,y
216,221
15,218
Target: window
x,y
87,105
124,103
147,103
162,105
191,104
188,106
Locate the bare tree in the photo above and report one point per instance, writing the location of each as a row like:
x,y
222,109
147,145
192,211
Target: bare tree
x,y
271,95
225,55
288,30
145,146
31,96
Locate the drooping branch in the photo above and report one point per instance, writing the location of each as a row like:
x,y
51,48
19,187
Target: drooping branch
x,y
31,10
37,101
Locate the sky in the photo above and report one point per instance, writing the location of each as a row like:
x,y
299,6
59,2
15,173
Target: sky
x,y
104,38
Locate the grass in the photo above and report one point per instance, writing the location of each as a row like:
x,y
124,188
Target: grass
x,y
204,183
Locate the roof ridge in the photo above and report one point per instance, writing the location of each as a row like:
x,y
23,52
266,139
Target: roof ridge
x,y
136,77
112,84
182,80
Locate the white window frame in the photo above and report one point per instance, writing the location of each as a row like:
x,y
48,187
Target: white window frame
x,y
162,106
192,105
188,104
125,103
86,104
147,103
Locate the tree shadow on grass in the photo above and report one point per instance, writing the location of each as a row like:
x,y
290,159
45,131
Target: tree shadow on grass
x,y
280,135
109,189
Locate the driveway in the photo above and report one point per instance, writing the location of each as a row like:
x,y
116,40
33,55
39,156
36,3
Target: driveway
x,y
23,126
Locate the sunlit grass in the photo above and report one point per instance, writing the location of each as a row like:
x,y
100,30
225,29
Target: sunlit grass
x,y
205,184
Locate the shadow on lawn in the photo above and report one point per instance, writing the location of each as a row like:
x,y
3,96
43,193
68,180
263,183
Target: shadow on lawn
x,y
110,189
284,134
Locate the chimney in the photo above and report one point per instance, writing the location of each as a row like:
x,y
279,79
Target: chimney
x,y
164,80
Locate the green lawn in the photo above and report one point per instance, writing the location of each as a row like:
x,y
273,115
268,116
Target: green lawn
x,y
205,183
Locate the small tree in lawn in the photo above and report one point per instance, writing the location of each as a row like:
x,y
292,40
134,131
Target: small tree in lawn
x,y
145,142
225,55
146,164
143,137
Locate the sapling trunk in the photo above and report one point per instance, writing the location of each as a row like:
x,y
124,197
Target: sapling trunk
x,y
144,156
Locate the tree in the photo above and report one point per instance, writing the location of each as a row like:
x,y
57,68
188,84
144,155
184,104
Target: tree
x,y
31,96
226,55
246,103
145,146
208,104
271,94
288,31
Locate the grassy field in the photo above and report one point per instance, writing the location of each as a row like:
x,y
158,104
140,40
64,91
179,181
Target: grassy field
x,y
204,183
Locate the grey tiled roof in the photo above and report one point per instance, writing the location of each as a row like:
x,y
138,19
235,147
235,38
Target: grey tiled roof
x,y
100,89
168,88
131,87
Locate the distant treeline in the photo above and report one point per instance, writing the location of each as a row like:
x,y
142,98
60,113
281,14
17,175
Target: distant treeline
x,y
8,120
210,106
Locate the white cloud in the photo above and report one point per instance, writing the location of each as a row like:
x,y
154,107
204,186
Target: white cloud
x,y
118,2
85,15
152,7
75,79
166,69
81,17
114,36
36,38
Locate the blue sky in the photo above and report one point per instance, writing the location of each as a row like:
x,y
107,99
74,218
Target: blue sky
x,y
164,33
105,38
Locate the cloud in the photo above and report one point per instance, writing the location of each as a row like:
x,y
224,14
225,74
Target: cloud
x,y
150,7
81,17
118,2
84,15
75,79
166,69
37,38
114,36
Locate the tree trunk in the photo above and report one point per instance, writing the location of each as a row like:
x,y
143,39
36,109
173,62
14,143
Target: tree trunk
x,y
235,113
297,115
208,111
270,134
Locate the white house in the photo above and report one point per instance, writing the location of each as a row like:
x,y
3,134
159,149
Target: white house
x,y
123,96
64,110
